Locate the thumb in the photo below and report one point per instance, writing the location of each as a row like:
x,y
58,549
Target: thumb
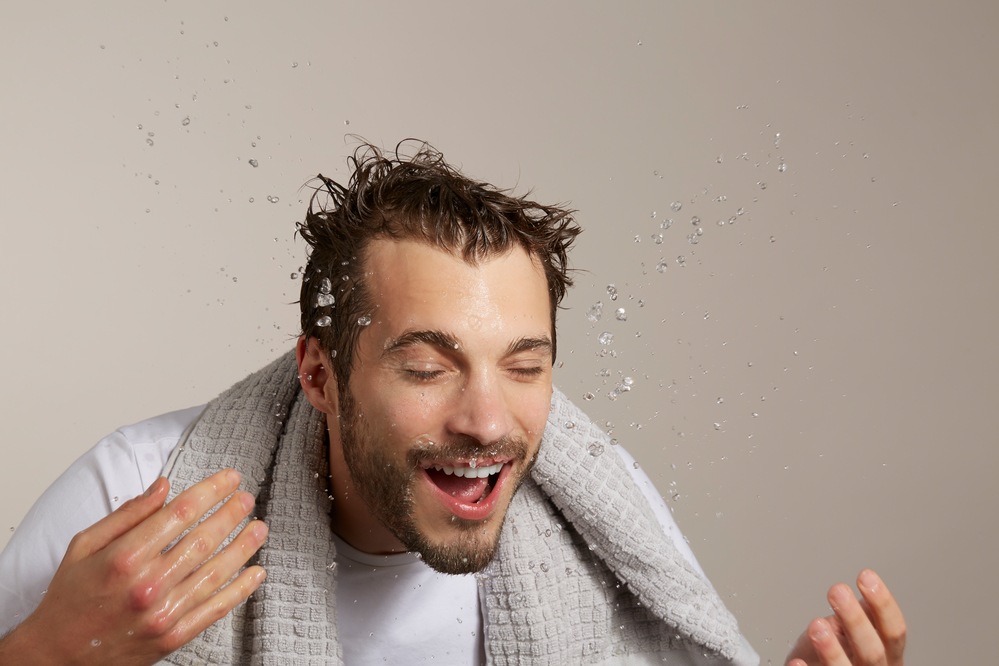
x,y
118,522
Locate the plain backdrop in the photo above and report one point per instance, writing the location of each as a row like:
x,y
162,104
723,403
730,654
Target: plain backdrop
x,y
790,237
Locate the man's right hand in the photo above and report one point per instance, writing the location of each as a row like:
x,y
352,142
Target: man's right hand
x,y
121,597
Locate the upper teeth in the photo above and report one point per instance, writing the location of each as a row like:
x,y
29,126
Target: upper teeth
x,y
471,472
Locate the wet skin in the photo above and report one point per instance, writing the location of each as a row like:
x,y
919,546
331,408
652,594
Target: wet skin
x,y
454,370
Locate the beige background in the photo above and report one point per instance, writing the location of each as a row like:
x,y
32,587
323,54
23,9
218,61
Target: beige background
x,y
814,388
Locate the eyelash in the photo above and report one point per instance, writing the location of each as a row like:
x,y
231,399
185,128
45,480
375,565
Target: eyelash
x,y
430,375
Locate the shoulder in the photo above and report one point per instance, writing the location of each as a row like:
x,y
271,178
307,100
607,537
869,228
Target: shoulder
x,y
117,468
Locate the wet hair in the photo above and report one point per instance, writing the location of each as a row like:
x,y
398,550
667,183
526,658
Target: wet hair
x,y
418,197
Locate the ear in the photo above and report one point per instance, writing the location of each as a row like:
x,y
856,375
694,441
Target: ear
x,y
316,376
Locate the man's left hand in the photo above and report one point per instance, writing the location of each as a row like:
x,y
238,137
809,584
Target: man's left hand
x,y
869,631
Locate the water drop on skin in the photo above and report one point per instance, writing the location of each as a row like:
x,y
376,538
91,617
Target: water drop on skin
x,y
324,321
364,320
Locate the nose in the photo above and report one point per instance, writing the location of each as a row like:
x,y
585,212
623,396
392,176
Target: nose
x,y
481,410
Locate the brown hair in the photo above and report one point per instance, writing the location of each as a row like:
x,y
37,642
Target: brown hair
x,y
420,197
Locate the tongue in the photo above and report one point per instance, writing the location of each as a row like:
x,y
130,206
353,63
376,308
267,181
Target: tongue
x,y
465,490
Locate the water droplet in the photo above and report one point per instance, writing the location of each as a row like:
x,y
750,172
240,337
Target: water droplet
x,y
682,261
586,396
186,121
324,321
294,65
777,140
773,239
720,400
294,276
676,206
782,167
661,266
254,163
620,314
653,216
657,238
149,141
325,286
667,224
612,290
762,185
695,220
717,426
595,311
95,643
606,338
595,449
273,199
324,300
364,320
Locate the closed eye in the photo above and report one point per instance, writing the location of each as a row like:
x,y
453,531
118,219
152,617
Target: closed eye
x,y
424,375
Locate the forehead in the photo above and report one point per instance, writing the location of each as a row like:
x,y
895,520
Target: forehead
x,y
416,286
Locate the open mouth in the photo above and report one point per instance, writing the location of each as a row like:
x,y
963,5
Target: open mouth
x,y
468,492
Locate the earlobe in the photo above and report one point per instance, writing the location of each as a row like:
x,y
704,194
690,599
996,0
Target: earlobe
x,y
315,376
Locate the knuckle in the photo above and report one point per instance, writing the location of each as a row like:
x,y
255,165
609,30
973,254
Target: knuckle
x,y
183,510
122,564
141,596
80,545
895,637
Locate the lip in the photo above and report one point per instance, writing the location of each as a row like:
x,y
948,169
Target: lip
x,y
464,510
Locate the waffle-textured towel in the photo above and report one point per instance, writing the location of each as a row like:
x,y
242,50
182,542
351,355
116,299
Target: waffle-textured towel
x,y
583,573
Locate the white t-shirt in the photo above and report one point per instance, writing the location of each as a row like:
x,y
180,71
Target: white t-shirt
x,y
390,608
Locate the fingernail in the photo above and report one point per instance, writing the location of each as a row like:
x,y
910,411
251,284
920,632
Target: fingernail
x,y
232,477
246,501
820,631
152,488
869,580
260,531
839,596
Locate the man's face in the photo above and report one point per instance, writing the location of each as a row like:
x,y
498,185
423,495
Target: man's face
x,y
447,400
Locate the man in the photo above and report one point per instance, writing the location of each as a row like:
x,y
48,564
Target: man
x,y
423,491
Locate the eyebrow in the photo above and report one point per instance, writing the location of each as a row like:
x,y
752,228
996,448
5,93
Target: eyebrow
x,y
449,343
440,339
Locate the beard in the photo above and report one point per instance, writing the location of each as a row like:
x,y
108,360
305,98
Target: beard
x,y
385,481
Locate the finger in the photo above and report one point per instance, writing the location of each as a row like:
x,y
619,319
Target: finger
x,y
214,608
118,522
202,541
205,581
826,644
860,633
181,512
885,613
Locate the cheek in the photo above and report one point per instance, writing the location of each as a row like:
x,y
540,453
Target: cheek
x,y
534,416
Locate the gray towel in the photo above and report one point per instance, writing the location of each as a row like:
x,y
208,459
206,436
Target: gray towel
x,y
583,573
